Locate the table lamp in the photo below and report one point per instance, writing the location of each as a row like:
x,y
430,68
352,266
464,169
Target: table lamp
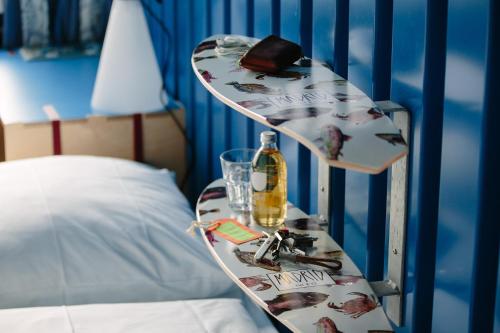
x,y
128,78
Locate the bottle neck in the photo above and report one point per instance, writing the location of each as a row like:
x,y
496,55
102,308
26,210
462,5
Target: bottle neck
x,y
269,145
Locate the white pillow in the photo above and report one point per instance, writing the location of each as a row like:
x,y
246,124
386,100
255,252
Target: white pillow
x,y
77,230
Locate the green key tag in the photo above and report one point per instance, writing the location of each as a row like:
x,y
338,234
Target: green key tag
x,y
234,231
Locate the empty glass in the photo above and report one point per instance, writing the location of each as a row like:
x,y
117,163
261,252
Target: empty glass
x,y
237,168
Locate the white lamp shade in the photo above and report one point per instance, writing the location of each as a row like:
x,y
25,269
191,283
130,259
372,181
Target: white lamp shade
x,y
128,78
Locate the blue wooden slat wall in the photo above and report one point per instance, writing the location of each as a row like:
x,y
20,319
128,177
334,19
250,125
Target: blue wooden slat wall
x,y
434,64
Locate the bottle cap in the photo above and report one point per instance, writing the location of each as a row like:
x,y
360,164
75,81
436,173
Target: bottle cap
x,y
267,137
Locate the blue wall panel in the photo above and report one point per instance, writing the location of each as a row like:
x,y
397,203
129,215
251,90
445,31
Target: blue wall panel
x,y
182,45
361,22
290,29
220,116
438,71
459,172
202,107
323,31
486,247
263,26
241,124
407,79
299,172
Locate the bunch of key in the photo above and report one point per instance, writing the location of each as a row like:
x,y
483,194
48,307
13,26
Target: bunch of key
x,y
284,242
292,247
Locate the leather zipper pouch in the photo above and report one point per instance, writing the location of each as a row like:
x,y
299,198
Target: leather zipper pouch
x,y
271,55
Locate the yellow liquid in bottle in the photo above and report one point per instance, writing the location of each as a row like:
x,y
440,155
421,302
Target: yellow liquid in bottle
x,y
269,188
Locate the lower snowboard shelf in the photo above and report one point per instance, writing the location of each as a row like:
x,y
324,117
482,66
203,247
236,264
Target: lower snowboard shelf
x,y
304,297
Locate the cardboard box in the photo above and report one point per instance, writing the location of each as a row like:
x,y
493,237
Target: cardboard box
x,y
45,110
152,138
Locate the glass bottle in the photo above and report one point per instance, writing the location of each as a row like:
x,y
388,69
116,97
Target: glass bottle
x,y
269,183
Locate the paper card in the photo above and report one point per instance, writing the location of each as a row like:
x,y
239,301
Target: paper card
x,y
302,278
234,231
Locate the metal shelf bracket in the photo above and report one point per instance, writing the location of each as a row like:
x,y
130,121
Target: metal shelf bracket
x,y
392,288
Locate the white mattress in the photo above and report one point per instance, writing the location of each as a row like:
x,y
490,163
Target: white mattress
x,y
211,315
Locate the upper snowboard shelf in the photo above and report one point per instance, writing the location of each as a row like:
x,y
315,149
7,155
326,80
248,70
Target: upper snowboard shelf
x,y
307,101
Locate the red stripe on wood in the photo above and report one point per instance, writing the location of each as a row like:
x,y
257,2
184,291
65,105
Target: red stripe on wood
x,y
56,137
138,151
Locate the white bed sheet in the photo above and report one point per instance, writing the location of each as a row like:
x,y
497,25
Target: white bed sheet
x,y
211,315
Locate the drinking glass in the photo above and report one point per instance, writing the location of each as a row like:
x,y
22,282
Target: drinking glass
x,y
237,169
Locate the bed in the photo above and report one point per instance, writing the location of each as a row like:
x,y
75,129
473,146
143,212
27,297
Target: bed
x,y
94,244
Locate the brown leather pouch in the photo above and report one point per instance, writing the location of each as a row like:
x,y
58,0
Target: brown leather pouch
x,y
271,55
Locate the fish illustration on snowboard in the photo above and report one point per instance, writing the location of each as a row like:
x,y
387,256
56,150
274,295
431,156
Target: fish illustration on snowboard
x,y
282,116
207,76
356,307
303,223
213,193
342,97
360,117
197,59
258,104
293,301
247,257
331,141
326,325
255,88
256,281
208,211
206,45
326,84
292,75
392,138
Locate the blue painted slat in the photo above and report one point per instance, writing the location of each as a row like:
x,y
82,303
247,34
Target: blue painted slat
x,y
220,114
406,89
276,12
210,163
228,115
458,198
292,24
184,76
298,173
337,217
375,227
262,21
243,129
66,23
276,30
360,57
322,49
202,112
289,29
486,251
340,65
377,197
169,46
250,31
12,31
430,163
304,172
